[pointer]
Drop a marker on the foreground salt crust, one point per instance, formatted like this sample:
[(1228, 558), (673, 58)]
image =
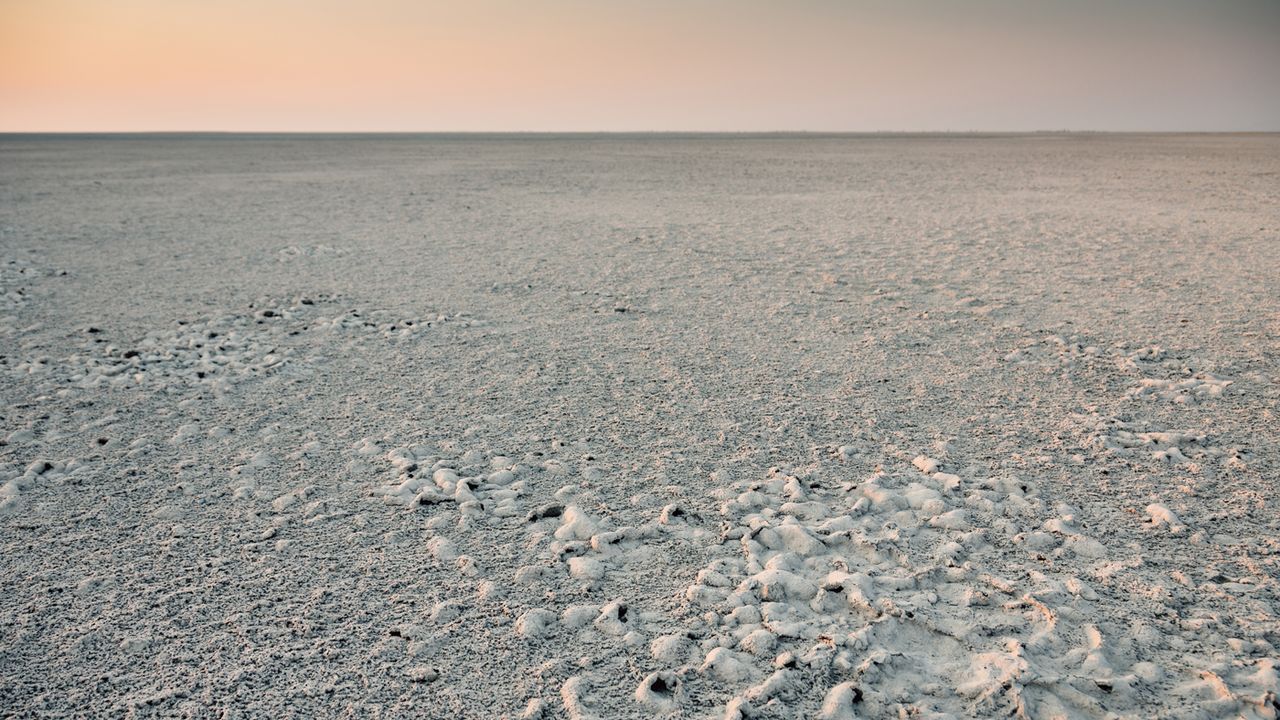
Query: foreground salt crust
[(703, 479), (929, 584), (916, 585)]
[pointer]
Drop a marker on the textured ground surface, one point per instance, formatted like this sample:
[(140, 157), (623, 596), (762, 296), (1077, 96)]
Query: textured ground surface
[(630, 428)]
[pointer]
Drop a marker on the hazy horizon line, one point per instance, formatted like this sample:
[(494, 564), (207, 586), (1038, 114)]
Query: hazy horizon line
[(606, 133)]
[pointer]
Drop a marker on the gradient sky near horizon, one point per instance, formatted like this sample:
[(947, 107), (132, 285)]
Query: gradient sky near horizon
[(564, 65)]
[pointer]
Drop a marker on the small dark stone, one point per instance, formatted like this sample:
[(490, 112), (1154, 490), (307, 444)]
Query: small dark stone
[(660, 686), (546, 511)]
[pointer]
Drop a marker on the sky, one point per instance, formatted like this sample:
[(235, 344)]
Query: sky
[(638, 65)]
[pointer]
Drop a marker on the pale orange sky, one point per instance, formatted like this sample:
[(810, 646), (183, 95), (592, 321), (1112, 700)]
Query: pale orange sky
[(492, 65)]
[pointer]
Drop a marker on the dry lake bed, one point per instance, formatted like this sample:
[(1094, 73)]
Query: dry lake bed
[(640, 427)]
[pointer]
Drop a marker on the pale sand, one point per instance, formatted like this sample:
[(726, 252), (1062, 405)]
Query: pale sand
[(640, 427)]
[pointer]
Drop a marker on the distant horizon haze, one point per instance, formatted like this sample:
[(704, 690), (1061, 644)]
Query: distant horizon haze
[(691, 67)]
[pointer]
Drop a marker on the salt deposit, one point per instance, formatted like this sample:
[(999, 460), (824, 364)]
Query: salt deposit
[(640, 427)]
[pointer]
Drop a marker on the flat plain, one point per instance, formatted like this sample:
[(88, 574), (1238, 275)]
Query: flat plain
[(640, 426)]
